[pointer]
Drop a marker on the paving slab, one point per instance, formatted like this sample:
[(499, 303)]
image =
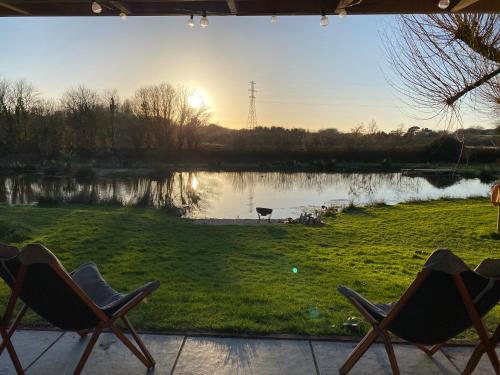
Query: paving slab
[(27, 348), (234, 356), (109, 357), (56, 353), (331, 355), (460, 355)]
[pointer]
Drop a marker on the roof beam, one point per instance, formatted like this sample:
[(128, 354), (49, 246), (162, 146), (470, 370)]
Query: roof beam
[(12, 7), (344, 4), (122, 8), (231, 4), (463, 4)]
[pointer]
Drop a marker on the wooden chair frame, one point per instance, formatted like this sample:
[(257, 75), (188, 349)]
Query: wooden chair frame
[(7, 329), (379, 329)]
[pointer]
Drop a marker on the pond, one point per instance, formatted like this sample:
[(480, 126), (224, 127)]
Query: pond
[(233, 195)]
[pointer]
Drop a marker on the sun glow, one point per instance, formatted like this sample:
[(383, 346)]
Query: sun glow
[(197, 100), (194, 183)]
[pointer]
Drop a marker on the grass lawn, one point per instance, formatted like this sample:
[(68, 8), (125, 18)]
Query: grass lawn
[(239, 278)]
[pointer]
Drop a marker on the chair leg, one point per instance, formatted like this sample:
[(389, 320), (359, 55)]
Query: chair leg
[(11, 351), (14, 325), (88, 349), (390, 352), (131, 346), (138, 340), (433, 350), (486, 344), (480, 350), (358, 352), (436, 348), (478, 323)]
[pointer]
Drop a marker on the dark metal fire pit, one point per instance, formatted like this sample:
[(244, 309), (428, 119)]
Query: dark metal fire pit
[(261, 211)]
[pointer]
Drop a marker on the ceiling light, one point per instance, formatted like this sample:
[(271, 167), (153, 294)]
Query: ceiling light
[(204, 20), (96, 7), (191, 21), (274, 19), (123, 16), (443, 4), (324, 21), (342, 13)]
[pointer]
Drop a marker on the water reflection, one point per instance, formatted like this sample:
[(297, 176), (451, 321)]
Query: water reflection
[(235, 194)]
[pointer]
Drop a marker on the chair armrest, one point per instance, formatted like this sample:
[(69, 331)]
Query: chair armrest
[(377, 311)]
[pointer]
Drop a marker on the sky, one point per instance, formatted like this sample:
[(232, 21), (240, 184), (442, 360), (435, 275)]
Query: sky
[(307, 76)]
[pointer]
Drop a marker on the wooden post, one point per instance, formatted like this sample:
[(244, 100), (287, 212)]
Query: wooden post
[(495, 199), (498, 220)]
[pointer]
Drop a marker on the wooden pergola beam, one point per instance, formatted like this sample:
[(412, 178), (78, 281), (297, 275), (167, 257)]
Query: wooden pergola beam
[(122, 8), (13, 8), (45, 8), (463, 4)]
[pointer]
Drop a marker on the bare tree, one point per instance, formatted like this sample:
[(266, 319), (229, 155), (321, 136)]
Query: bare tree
[(82, 106), (441, 61), (113, 100), (25, 98), (167, 100), (372, 127), (197, 119), (183, 113)]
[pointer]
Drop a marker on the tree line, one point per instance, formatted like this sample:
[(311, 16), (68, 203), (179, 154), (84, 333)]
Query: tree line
[(87, 123), (159, 123)]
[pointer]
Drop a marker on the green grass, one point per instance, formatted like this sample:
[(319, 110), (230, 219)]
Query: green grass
[(240, 278)]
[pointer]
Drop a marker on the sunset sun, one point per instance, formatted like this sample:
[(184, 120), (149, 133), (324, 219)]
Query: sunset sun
[(197, 100)]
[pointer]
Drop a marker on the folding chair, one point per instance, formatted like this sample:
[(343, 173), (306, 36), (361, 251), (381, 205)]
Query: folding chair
[(79, 301), (446, 298)]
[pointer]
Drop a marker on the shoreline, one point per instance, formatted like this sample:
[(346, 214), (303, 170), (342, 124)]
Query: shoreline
[(156, 170)]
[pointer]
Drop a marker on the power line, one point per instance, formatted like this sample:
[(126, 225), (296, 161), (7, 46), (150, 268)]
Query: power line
[(252, 112)]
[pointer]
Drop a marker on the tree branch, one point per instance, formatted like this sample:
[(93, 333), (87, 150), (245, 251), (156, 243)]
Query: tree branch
[(466, 34), (451, 100)]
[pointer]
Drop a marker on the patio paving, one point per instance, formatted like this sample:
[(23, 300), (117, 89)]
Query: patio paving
[(53, 352)]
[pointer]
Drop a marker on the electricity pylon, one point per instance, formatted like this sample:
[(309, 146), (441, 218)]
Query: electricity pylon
[(252, 112)]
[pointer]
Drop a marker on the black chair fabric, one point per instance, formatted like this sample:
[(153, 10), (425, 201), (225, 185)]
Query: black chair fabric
[(90, 280), (46, 293), (436, 313)]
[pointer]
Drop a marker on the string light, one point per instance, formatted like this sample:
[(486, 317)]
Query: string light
[(443, 4), (191, 21), (324, 21), (96, 7), (204, 20), (342, 13), (123, 16)]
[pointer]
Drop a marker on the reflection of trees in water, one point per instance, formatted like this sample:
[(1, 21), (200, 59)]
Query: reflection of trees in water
[(175, 190), (241, 181), (360, 186), (442, 182), (369, 187)]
